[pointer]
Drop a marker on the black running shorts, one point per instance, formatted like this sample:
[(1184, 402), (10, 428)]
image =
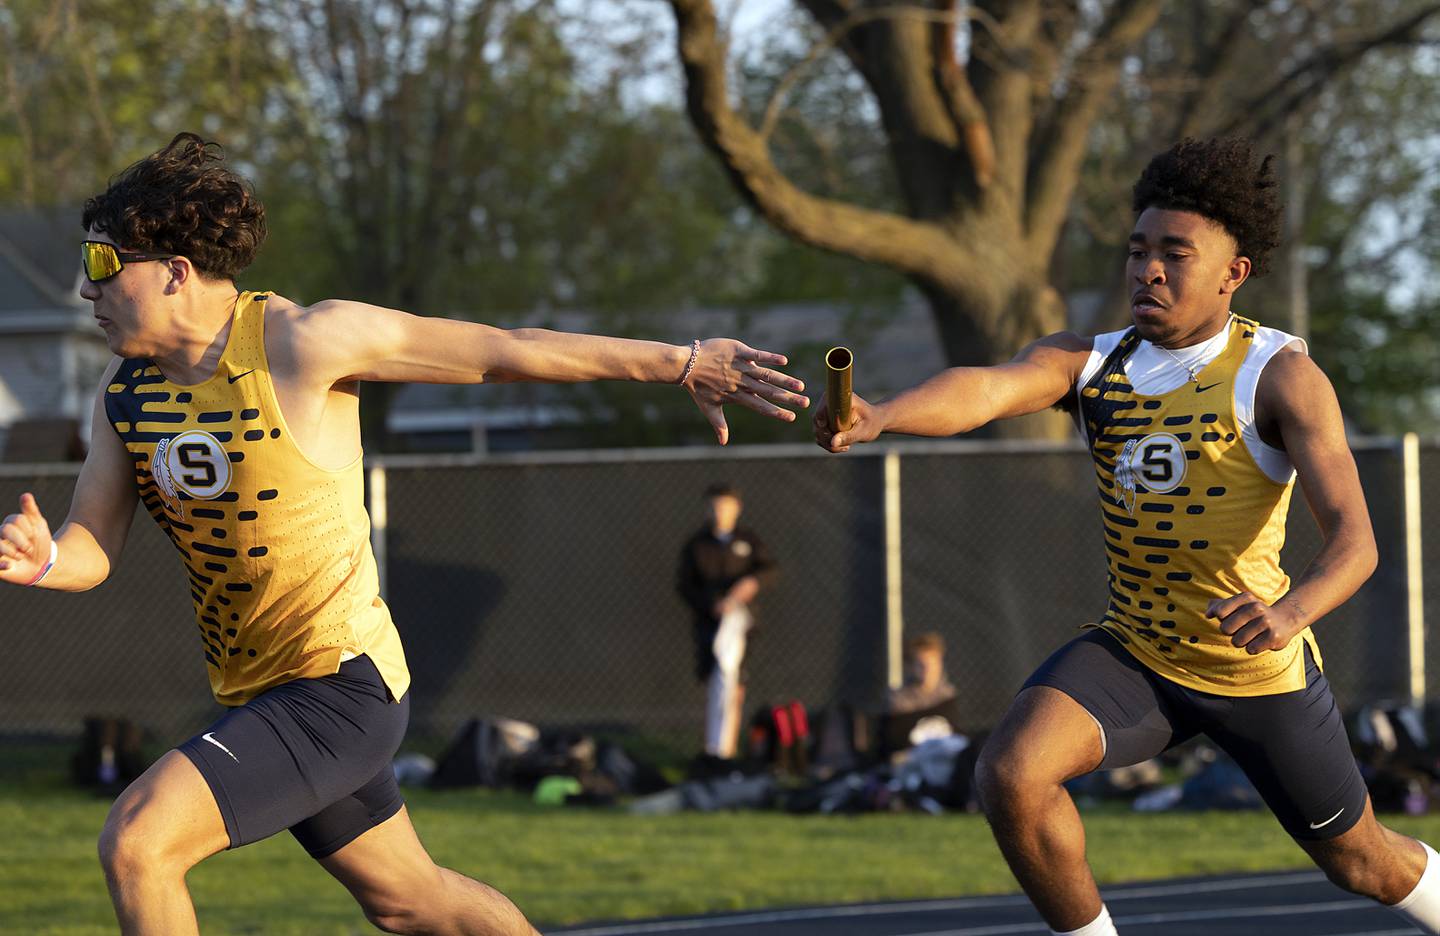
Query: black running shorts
[(312, 756), (1291, 745)]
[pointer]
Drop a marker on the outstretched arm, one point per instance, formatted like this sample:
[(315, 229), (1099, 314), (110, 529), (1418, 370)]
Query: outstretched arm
[(336, 341), (964, 398), (89, 544), (1296, 409)]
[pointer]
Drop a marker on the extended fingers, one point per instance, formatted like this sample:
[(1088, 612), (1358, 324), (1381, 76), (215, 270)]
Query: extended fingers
[(772, 392), (777, 378), (762, 357), (750, 400)]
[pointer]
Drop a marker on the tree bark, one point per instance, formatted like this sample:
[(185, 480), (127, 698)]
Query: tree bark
[(968, 344)]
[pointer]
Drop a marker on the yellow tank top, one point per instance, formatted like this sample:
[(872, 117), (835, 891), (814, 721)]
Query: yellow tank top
[(1188, 516), (277, 550)]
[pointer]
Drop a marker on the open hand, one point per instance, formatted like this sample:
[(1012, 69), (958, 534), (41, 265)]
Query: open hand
[(1254, 625), (730, 371), (864, 425), (24, 543)]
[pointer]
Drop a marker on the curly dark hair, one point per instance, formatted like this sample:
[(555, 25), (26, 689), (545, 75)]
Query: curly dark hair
[(1221, 180), (183, 200)]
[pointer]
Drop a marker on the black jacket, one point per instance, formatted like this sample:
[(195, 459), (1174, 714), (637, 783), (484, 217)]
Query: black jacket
[(708, 569)]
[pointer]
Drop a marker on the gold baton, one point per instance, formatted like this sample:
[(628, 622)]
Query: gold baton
[(838, 362)]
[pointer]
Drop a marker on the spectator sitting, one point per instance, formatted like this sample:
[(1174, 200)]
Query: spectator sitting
[(926, 684), (926, 706)]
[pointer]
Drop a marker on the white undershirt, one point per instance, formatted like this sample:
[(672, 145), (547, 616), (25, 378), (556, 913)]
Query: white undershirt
[(1152, 372)]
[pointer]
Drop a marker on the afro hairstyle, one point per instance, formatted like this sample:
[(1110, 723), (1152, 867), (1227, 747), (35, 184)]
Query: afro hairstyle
[(1222, 180)]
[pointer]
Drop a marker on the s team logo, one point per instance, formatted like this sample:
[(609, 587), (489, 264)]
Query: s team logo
[(193, 463), (1157, 461)]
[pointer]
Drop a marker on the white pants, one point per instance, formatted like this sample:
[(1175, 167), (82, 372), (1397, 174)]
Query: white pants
[(722, 696)]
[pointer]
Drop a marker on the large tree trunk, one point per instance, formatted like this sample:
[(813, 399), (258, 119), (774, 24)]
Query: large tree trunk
[(967, 344)]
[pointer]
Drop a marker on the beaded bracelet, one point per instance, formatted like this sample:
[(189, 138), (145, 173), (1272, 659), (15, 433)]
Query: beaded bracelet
[(690, 365)]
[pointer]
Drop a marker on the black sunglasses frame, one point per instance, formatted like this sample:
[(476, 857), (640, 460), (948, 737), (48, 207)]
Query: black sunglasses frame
[(124, 258)]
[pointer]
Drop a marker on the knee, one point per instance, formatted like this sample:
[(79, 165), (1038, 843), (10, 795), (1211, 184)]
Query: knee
[(411, 911), (128, 845), (393, 918), (1004, 778), (1359, 872)]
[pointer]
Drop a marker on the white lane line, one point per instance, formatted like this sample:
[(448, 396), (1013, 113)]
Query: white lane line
[(1112, 895), (1175, 916)]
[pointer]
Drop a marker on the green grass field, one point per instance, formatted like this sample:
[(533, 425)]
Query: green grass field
[(568, 865)]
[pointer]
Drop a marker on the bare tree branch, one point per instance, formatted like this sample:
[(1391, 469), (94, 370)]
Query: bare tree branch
[(829, 14), (1214, 65), (963, 106), (916, 248), (999, 71), (1266, 109), (1053, 43), (1059, 152), (960, 97)]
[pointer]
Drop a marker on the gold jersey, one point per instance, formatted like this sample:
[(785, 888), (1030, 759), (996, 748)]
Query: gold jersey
[(277, 549), (1189, 515)]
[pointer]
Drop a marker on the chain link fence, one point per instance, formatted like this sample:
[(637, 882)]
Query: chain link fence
[(543, 587)]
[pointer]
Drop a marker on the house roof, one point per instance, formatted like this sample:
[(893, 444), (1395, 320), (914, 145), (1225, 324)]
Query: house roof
[(39, 272), (39, 258)]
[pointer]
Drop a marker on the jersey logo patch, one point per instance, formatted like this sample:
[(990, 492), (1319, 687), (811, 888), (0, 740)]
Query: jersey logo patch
[(194, 464), (1157, 463)]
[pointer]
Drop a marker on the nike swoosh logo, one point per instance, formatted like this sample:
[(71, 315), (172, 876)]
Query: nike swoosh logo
[(208, 736), (1198, 388), (246, 374), (1321, 825)]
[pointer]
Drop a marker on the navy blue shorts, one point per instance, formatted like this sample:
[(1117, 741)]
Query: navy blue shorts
[(1292, 745), (312, 756)]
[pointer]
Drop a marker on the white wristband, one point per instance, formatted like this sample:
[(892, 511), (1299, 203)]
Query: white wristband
[(54, 554)]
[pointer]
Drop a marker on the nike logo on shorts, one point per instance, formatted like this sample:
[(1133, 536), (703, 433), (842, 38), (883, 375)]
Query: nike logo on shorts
[(208, 736), (1321, 825)]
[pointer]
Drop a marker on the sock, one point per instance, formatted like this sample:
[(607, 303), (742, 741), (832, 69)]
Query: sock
[(1102, 925), (1422, 905)]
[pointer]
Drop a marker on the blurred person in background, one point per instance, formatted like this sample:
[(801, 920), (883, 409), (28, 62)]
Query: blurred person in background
[(925, 706), (233, 416), (926, 683), (722, 569)]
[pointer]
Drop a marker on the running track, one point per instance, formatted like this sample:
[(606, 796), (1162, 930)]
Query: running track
[(1287, 904)]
